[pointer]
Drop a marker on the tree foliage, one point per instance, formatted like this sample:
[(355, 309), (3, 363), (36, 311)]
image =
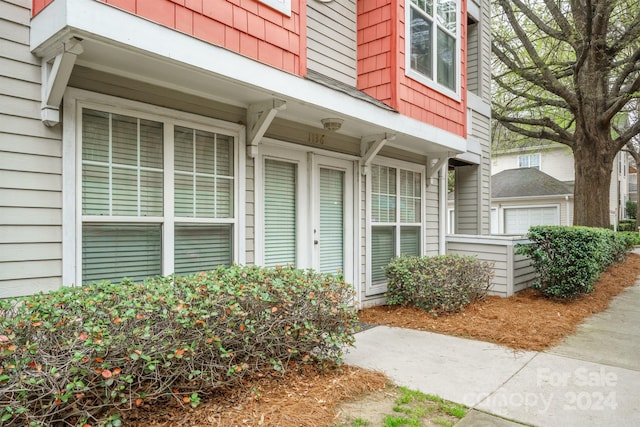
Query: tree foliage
[(568, 71)]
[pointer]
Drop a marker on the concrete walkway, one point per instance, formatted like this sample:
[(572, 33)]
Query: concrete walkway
[(591, 379)]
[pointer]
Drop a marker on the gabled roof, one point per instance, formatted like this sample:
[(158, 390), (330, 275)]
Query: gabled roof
[(526, 182)]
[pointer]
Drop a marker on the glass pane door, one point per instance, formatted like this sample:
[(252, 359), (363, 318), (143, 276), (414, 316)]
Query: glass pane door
[(331, 235), (280, 219)]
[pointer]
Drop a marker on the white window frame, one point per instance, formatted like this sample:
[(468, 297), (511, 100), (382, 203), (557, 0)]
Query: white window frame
[(74, 102), (377, 289), (282, 6), (526, 158), (415, 75)]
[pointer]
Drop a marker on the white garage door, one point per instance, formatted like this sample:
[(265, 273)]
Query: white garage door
[(518, 220)]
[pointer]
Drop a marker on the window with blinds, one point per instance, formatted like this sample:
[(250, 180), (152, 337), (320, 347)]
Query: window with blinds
[(396, 216), (123, 197)]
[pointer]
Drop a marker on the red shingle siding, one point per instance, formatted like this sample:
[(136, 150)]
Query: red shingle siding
[(38, 5), (243, 26), (374, 49), (381, 68)]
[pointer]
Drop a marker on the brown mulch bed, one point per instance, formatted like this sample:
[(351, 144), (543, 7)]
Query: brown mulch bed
[(304, 397), (307, 397), (525, 321)]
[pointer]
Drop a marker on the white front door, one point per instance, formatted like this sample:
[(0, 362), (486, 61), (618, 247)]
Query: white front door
[(333, 201), (306, 204)]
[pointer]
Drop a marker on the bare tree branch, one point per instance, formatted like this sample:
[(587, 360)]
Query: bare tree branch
[(549, 82)]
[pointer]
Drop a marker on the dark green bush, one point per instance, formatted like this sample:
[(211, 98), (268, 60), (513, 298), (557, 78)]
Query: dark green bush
[(569, 260), (632, 236), (631, 209), (627, 225), (82, 355), (440, 284)]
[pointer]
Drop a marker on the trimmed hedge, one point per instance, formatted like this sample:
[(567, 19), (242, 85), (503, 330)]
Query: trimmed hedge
[(627, 225), (440, 284), (569, 260), (79, 356)]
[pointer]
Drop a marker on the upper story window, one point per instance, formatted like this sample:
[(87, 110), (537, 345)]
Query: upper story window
[(283, 6), (433, 38), (529, 161)]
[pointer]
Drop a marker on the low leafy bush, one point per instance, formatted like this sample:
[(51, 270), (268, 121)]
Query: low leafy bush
[(79, 356), (632, 236), (569, 260), (627, 225), (631, 208), (440, 284)]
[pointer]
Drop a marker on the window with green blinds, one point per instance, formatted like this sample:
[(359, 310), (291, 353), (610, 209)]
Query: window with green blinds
[(203, 174), (202, 247), (115, 251), (280, 185), (382, 251), (396, 216), (410, 241), (123, 181), (121, 165), (383, 194)]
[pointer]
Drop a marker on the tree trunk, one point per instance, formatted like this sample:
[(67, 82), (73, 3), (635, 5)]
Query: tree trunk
[(593, 164), (637, 194)]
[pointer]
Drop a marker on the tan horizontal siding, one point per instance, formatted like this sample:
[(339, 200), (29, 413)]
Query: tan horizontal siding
[(19, 287), (32, 251), (30, 234), (30, 166), (30, 180)]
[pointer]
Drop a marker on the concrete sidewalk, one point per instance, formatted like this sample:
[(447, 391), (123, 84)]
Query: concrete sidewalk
[(590, 379)]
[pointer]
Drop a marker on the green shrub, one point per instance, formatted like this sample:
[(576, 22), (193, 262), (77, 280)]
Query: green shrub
[(631, 209), (440, 284), (627, 225), (82, 355), (633, 236), (569, 260)]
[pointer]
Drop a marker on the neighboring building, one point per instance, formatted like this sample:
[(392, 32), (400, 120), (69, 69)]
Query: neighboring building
[(141, 137), (633, 181), (524, 197), (517, 203)]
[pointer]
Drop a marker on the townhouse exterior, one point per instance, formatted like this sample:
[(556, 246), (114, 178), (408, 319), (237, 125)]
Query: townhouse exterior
[(534, 186), (151, 137)]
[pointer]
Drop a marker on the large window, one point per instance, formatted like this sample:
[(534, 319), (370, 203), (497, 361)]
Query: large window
[(144, 216), (396, 216), (432, 42)]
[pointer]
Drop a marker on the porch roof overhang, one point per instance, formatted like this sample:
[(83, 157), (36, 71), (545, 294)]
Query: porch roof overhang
[(124, 44)]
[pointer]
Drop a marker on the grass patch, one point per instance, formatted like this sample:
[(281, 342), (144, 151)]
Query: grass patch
[(416, 408)]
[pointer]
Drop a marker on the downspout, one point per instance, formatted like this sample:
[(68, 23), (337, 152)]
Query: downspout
[(442, 243)]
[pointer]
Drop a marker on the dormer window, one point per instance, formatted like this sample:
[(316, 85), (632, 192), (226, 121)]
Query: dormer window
[(433, 33)]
